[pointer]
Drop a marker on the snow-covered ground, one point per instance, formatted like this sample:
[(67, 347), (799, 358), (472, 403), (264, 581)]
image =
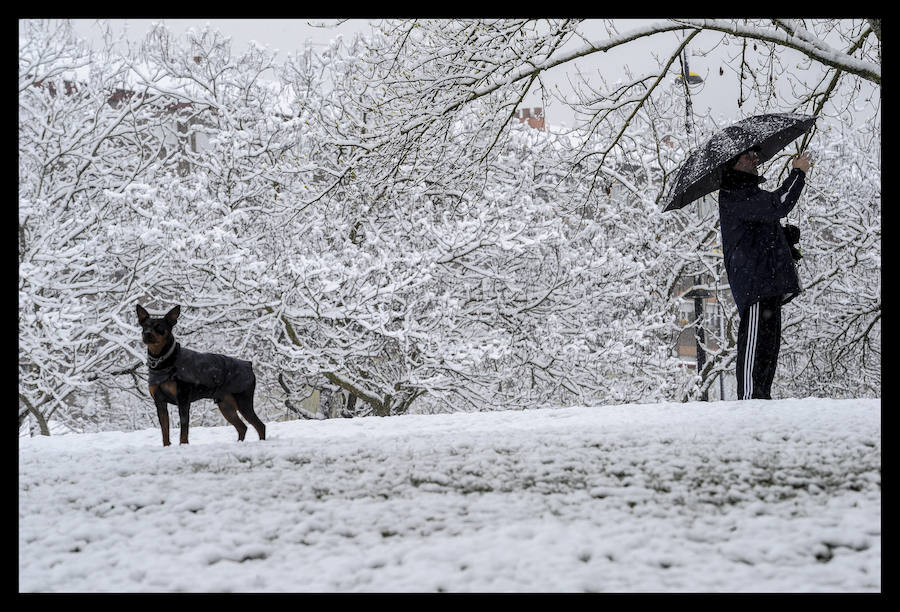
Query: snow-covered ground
[(781, 495)]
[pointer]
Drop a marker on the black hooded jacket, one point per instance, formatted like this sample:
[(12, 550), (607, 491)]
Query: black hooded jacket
[(757, 254)]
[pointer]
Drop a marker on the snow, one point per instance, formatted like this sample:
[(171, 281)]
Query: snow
[(770, 496)]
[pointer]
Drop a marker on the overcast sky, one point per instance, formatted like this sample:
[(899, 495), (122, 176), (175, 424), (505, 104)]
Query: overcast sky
[(718, 93)]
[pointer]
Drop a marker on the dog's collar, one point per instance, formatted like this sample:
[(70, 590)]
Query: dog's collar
[(153, 362)]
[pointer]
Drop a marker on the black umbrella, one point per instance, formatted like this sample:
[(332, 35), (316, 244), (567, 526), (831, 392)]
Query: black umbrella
[(701, 172)]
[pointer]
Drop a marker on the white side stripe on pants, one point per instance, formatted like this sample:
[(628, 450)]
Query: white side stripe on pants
[(750, 351)]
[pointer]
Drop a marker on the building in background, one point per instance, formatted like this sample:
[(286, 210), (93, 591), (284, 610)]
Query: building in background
[(533, 116)]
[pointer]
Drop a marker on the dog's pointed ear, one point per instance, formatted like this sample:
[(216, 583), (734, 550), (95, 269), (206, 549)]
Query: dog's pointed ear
[(172, 316), (142, 314)]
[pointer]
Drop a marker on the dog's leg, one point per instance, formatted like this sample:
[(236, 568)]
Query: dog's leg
[(245, 406), (184, 416), (162, 411), (228, 406)]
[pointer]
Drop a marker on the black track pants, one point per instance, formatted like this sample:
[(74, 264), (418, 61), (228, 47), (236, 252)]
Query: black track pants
[(759, 338)]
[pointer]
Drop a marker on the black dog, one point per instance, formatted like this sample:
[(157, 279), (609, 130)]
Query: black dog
[(180, 376)]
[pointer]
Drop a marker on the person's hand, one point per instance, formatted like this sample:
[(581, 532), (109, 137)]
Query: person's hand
[(804, 161)]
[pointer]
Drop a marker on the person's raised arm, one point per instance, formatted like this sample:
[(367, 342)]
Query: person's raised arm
[(773, 205)]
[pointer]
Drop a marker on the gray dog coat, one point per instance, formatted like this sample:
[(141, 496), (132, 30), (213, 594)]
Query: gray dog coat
[(211, 375)]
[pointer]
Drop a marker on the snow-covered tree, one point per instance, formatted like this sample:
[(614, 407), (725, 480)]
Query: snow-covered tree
[(83, 143), (366, 220), (438, 69), (833, 335)]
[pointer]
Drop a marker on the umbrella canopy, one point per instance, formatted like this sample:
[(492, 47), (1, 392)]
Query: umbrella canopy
[(701, 172)]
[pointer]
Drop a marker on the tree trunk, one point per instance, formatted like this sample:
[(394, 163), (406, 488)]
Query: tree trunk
[(42, 423)]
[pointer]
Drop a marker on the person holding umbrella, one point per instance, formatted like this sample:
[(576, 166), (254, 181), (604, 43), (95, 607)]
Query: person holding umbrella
[(759, 261), (758, 252)]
